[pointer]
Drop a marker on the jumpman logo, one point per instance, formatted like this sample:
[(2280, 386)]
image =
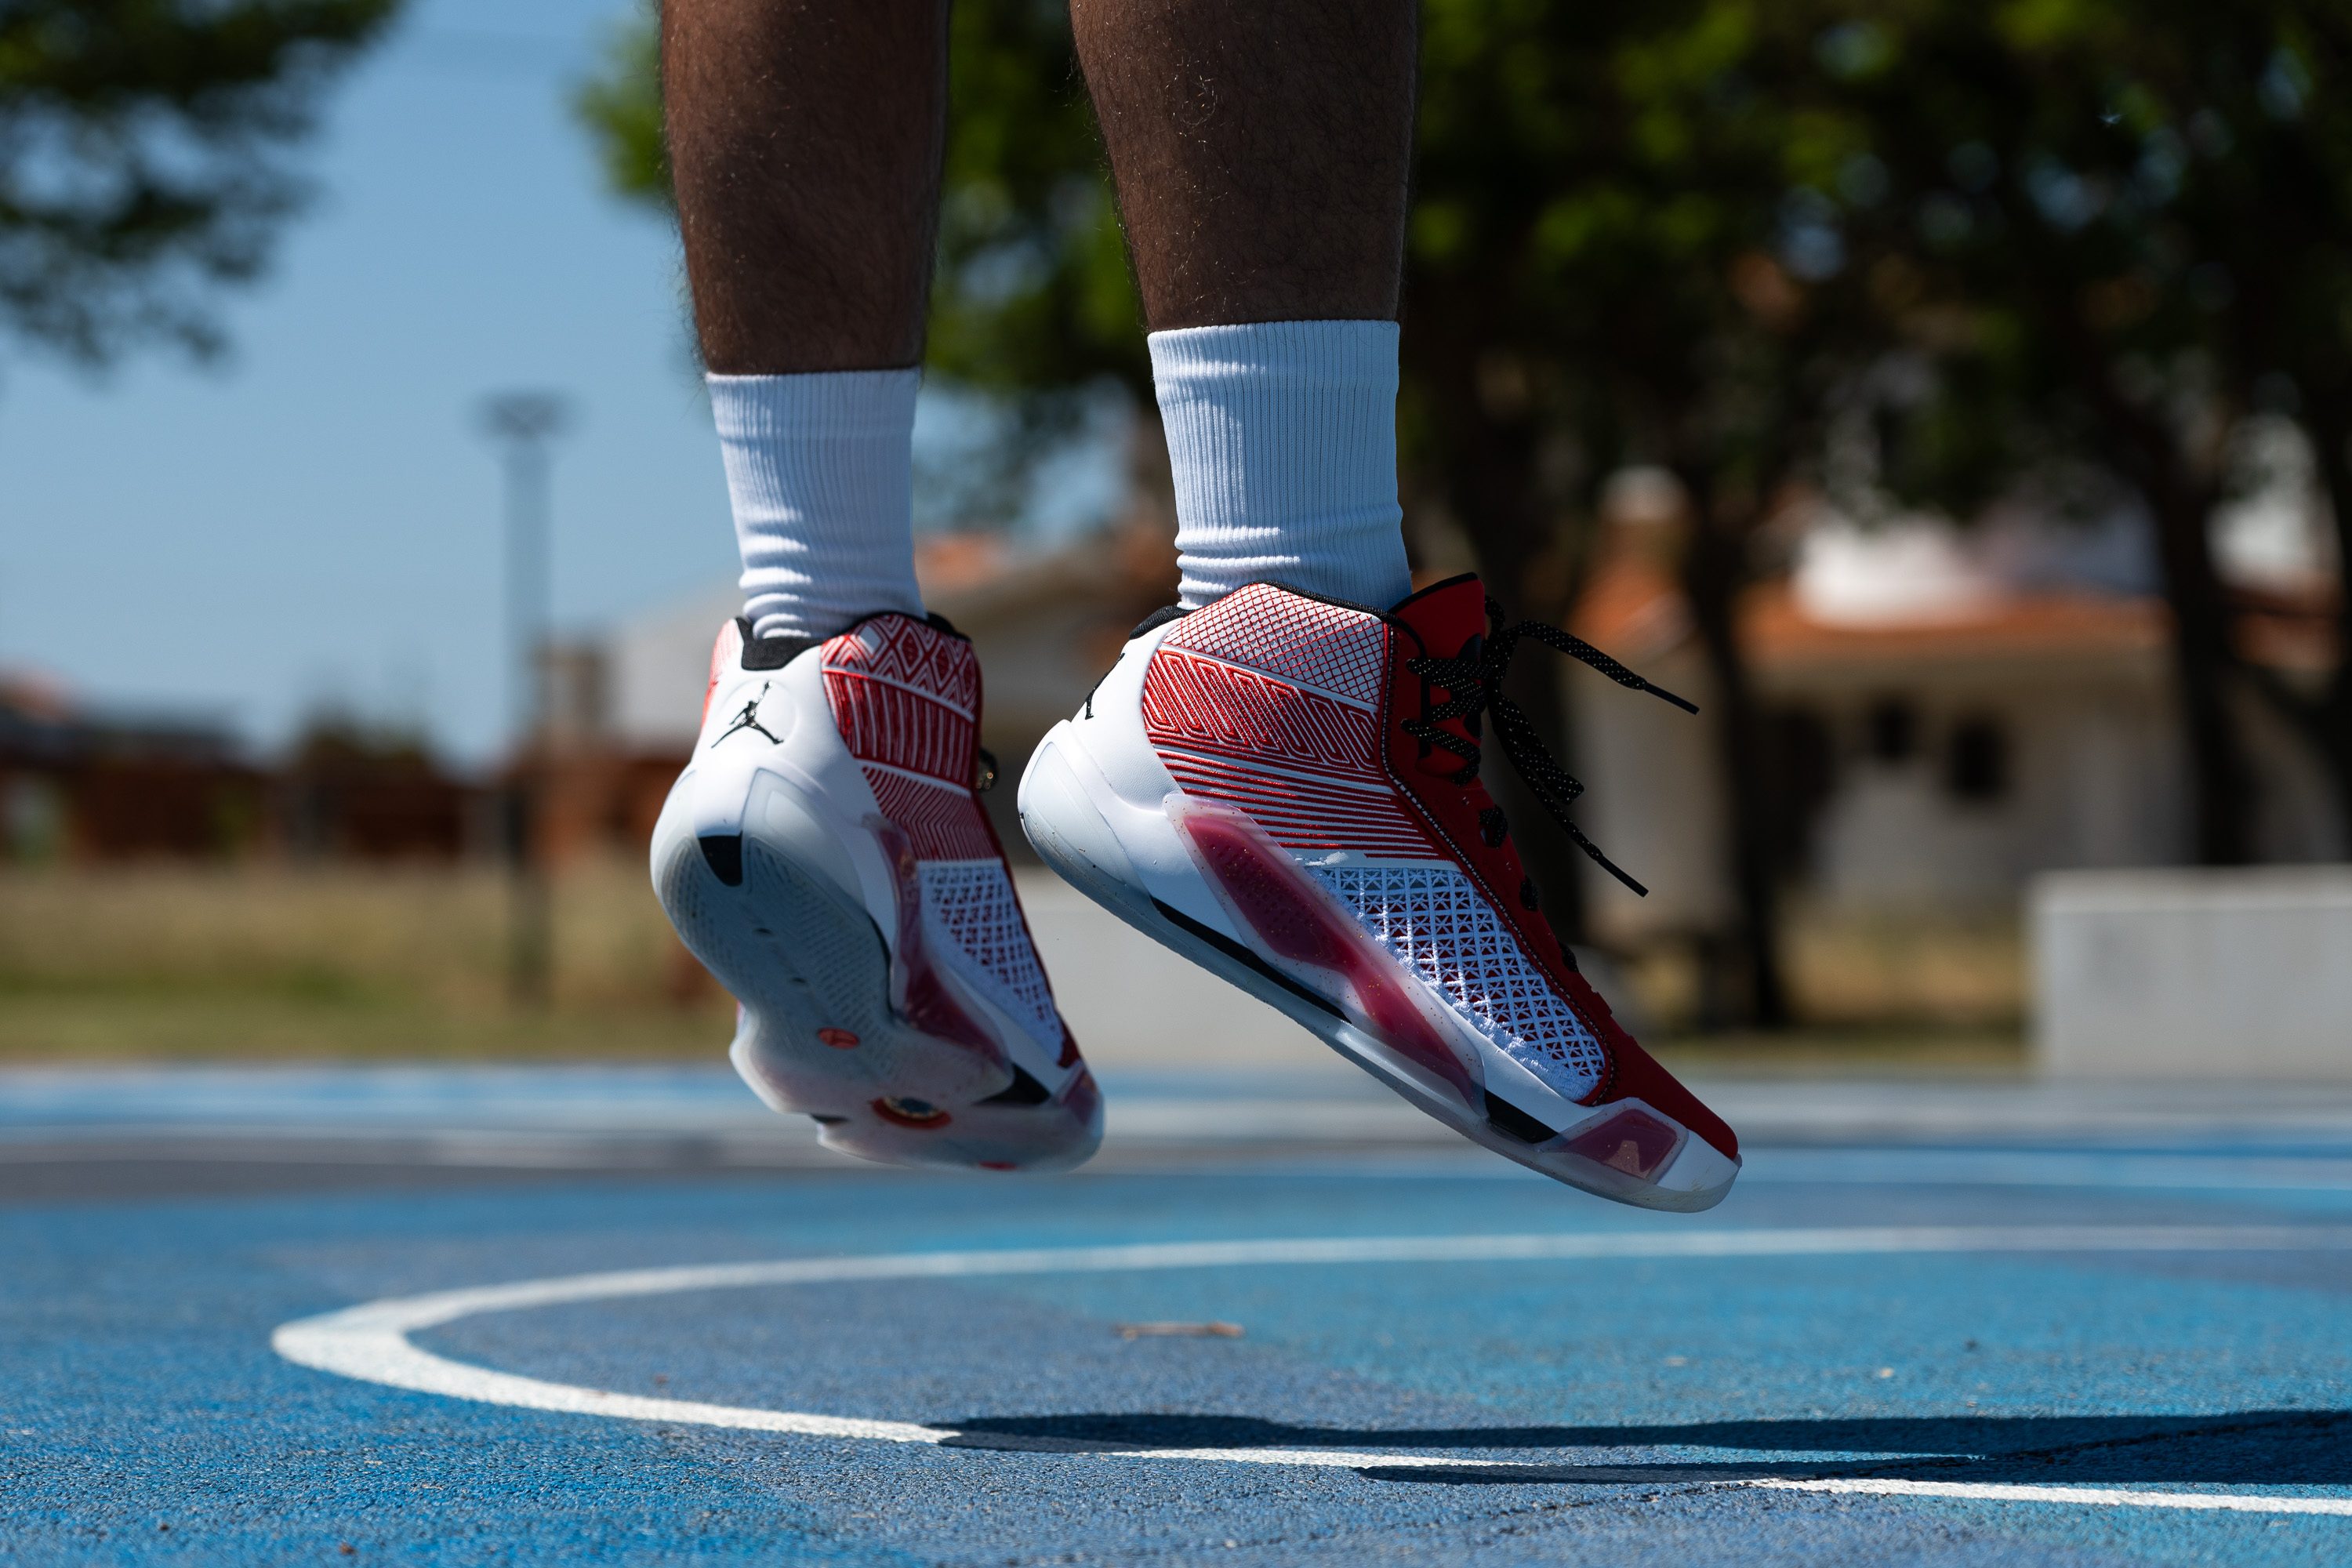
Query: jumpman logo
[(748, 719)]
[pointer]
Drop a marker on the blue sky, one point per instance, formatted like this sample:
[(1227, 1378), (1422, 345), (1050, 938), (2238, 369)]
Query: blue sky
[(316, 520)]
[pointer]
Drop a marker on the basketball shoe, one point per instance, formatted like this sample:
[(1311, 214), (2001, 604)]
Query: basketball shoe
[(825, 856), (1287, 790)]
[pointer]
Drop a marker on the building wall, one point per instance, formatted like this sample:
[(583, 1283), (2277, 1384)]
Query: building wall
[(2092, 775), (1654, 801), (2090, 778)]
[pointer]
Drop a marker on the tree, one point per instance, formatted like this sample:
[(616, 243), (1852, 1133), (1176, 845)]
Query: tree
[(141, 157), (2112, 230)]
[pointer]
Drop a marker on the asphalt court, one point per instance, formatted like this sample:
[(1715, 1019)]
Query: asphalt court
[(1941, 1323)]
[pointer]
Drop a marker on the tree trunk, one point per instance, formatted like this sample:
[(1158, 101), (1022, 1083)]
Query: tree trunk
[(2203, 663), (1714, 570), (2142, 446), (2328, 723)]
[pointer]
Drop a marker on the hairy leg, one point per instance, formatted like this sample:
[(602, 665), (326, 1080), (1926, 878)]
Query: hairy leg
[(804, 142), (1260, 148)]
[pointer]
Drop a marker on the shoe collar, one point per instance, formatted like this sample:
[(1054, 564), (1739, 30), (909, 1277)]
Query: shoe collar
[(774, 653), (1441, 618)]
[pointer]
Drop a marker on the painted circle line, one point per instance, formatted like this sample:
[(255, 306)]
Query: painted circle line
[(370, 1342)]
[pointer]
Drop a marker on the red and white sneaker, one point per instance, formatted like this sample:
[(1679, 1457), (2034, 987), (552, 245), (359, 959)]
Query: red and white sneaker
[(1285, 789), (826, 856)]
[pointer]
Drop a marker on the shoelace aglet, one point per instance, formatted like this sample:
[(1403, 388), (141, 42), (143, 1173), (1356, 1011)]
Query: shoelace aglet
[(1583, 652), (1604, 861), (1685, 703)]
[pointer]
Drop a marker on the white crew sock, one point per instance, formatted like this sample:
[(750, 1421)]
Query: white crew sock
[(1282, 436), (820, 467)]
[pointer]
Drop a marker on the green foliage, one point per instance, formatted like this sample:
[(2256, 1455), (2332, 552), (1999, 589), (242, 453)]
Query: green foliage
[(621, 107), (1033, 289), (139, 155), (2131, 219)]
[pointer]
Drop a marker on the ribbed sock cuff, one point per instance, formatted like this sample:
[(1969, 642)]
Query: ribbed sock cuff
[(819, 469), (1282, 439)]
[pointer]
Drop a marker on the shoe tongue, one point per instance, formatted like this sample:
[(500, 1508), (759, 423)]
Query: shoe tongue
[(1447, 615)]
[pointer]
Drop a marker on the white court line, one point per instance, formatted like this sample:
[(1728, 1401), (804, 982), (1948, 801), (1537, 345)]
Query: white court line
[(370, 1342), (1986, 1491)]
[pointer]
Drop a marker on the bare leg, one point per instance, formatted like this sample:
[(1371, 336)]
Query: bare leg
[(1260, 148), (805, 140)]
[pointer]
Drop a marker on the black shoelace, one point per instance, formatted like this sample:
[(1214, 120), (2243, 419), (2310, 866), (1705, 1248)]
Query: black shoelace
[(1475, 680)]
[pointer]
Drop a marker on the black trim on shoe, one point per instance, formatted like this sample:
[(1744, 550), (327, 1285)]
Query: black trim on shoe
[(769, 653), (1151, 622), (774, 653), (1236, 952), (723, 852), (1024, 1090), (1157, 619), (1509, 1119)]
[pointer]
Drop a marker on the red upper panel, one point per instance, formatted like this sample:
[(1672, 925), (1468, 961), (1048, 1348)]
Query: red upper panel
[(905, 698)]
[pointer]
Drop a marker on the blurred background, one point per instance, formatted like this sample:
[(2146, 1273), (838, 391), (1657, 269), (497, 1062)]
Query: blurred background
[(1952, 398)]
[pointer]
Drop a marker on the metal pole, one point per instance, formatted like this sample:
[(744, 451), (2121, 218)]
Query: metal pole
[(523, 424)]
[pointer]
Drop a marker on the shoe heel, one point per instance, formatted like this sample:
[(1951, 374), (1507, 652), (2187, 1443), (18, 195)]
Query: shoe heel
[(1071, 836)]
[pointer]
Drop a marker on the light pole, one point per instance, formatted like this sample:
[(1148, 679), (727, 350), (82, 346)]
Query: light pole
[(523, 424)]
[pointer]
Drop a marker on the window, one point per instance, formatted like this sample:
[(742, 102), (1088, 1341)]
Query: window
[(1891, 730), (1977, 768)]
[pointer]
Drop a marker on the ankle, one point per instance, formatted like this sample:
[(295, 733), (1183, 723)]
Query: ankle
[(820, 473), (1282, 441)]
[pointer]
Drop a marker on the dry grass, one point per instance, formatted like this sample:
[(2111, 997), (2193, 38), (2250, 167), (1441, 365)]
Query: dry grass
[(293, 962), (1855, 975), (1949, 972), (1896, 1050)]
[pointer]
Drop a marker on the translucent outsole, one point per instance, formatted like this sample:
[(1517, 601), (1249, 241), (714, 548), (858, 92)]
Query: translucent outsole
[(818, 1035)]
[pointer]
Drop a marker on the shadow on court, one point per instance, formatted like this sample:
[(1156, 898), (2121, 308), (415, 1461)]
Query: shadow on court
[(2275, 1447)]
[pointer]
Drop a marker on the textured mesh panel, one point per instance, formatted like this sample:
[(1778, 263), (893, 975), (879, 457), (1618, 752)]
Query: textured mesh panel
[(943, 824), (1434, 918), (883, 722), (1202, 702), (895, 647), (973, 902), (1343, 651), (1304, 765), (903, 698)]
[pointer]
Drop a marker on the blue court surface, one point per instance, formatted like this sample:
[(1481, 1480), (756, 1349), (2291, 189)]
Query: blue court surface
[(623, 1316)]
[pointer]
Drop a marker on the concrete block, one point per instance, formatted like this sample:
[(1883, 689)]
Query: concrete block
[(2194, 973)]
